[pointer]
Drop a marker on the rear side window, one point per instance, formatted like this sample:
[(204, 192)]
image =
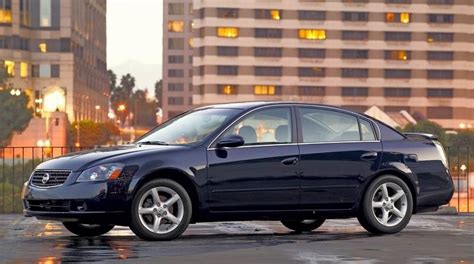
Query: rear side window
[(319, 125), (366, 130)]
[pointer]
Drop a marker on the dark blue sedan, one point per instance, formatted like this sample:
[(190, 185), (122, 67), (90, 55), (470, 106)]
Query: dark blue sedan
[(295, 163)]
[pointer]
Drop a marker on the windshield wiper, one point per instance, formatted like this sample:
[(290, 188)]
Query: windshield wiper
[(153, 143)]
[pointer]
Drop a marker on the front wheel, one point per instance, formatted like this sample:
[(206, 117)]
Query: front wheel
[(387, 206), (303, 225), (86, 230), (161, 210)]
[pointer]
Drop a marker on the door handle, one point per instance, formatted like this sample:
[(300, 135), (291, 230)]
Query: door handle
[(290, 161), (371, 155)]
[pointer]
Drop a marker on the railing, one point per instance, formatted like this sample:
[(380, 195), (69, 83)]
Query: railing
[(16, 166), (461, 160), (17, 163)]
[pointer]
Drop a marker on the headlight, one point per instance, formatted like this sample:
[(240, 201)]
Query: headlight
[(101, 173)]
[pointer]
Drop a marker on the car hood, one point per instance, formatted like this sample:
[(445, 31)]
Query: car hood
[(77, 161)]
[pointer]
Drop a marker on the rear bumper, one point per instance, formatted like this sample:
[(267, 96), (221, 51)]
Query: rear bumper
[(433, 200)]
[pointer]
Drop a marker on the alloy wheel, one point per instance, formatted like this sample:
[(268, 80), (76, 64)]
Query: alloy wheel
[(160, 210), (389, 204)]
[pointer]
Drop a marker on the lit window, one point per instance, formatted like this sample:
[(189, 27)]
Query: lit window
[(265, 89), (275, 14), (6, 12), (228, 89), (10, 67), (43, 47), (191, 42), (397, 55), (175, 26), (318, 34), (227, 32), (397, 17), (405, 18), (24, 69)]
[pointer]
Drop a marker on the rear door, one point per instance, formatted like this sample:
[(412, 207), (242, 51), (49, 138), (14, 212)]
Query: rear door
[(338, 151)]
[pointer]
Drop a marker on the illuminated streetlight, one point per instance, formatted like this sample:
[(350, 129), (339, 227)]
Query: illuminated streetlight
[(121, 107), (15, 92)]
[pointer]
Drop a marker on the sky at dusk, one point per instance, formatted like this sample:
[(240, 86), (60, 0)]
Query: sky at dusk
[(134, 39)]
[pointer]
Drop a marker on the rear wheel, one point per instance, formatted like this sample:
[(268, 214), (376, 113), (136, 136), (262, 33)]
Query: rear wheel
[(161, 210), (387, 206), (87, 230), (303, 225)]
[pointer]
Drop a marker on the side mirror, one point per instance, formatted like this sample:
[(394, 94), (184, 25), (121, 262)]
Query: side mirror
[(231, 141)]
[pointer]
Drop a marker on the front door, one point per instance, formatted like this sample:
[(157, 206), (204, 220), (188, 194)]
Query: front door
[(338, 152), (261, 174)]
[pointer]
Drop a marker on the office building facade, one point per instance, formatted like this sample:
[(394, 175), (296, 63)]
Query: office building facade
[(395, 54), (177, 57), (55, 51)]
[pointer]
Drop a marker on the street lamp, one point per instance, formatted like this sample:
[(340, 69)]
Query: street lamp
[(97, 109), (121, 108), (15, 92)]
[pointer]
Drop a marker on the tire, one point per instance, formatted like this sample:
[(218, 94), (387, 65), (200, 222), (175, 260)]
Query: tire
[(86, 230), (386, 210), (303, 225), (163, 215)]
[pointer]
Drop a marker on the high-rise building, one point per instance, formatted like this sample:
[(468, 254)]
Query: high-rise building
[(55, 51), (396, 54), (177, 57)]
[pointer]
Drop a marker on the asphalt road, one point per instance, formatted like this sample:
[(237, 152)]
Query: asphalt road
[(428, 239)]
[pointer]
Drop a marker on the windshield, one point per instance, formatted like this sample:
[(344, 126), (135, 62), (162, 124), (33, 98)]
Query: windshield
[(189, 128)]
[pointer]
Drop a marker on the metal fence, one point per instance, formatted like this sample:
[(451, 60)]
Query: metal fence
[(17, 163)]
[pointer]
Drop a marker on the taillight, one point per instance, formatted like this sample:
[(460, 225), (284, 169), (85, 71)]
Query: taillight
[(442, 153)]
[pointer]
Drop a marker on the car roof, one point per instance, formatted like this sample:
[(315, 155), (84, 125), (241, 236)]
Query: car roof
[(251, 105)]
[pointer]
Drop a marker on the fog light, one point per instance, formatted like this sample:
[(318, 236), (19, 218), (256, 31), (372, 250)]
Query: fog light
[(81, 206)]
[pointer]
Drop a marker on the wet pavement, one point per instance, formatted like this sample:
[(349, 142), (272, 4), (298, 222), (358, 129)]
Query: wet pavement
[(428, 239)]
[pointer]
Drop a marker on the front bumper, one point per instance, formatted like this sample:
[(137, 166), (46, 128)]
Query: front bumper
[(88, 202)]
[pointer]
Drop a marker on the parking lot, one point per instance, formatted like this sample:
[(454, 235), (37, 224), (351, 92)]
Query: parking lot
[(428, 239)]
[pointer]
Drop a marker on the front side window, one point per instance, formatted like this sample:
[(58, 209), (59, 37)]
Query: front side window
[(190, 128), (270, 126), (319, 126)]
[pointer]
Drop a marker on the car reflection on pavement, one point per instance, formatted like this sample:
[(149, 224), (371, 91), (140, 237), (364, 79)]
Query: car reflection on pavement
[(433, 239)]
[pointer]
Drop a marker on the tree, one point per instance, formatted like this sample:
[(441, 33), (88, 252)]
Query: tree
[(430, 127), (462, 139), (144, 110), (14, 112), (112, 80), (93, 134), (159, 92), (121, 94)]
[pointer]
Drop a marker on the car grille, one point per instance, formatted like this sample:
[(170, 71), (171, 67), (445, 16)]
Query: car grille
[(48, 206), (55, 178)]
